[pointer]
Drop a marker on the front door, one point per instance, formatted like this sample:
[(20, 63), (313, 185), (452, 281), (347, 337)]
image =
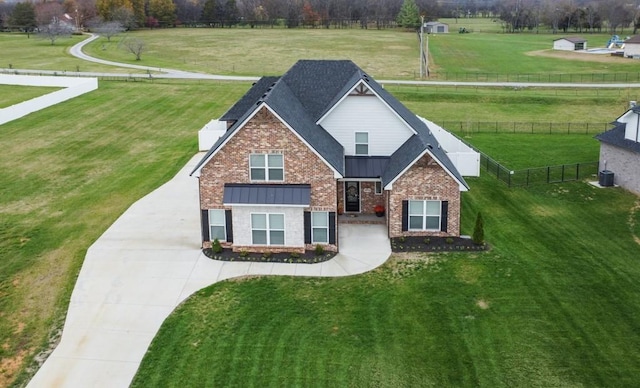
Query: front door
[(352, 196)]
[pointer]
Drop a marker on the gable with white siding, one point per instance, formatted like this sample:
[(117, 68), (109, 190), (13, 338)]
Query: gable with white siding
[(366, 112)]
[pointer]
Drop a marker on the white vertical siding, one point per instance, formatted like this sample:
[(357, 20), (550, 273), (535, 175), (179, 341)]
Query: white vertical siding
[(563, 44), (631, 49), (387, 132), (631, 129), (293, 220)]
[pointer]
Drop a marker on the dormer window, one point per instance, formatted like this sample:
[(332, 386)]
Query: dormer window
[(266, 167), (362, 143)]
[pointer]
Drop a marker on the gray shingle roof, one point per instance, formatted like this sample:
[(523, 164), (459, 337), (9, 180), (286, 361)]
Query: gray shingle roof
[(616, 138), (365, 166), (246, 102), (308, 90), (267, 194)]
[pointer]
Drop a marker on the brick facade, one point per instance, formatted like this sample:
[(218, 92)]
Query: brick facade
[(425, 180), (264, 133), (368, 197)]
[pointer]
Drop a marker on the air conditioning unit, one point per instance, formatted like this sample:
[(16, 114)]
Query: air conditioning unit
[(606, 178)]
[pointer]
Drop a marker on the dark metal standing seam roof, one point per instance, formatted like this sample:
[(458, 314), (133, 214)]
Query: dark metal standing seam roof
[(266, 194), (365, 166)]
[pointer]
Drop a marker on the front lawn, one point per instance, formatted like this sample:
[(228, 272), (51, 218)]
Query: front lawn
[(554, 303)]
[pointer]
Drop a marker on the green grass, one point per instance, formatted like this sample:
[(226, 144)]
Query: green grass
[(511, 54), (10, 94), (21, 52), (554, 303), (520, 151), (382, 53), (471, 104), (64, 178)]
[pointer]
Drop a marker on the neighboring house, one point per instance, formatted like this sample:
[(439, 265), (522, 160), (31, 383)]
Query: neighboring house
[(620, 150), (632, 47), (436, 28), (323, 139), (570, 44)]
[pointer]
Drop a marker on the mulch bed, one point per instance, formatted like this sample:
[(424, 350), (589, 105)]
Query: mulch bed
[(435, 244), (309, 257)]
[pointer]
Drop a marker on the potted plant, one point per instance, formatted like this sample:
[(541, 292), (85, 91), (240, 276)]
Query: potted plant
[(379, 210)]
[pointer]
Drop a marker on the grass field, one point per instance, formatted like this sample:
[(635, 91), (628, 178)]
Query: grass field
[(520, 151), (385, 54), (10, 95), (65, 178), (554, 303), (20, 52), (508, 104)]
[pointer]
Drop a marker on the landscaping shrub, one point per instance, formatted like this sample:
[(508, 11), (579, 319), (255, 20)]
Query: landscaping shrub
[(478, 230), (216, 247)]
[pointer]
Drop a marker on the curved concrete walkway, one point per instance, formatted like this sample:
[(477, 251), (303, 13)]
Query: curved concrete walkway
[(147, 263)]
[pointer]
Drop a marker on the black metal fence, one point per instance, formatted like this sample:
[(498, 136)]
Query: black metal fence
[(466, 127), (541, 175), (585, 78)]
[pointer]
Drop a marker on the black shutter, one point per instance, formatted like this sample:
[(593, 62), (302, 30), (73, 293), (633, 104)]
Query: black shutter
[(229, 225), (444, 213), (405, 216), (307, 227), (204, 221), (332, 227)]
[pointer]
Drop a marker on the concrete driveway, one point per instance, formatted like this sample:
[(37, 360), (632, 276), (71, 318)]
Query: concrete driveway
[(148, 262)]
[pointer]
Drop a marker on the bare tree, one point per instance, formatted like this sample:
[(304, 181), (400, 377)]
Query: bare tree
[(109, 29), (54, 30), (134, 45)]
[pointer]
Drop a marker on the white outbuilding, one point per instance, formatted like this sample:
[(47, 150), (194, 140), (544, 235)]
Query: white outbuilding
[(570, 44), (632, 47), (436, 28)]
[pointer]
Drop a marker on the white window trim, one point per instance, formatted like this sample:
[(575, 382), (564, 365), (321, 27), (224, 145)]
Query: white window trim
[(313, 240), (224, 224), (266, 168), (378, 185), (355, 143), (269, 229), (424, 215)]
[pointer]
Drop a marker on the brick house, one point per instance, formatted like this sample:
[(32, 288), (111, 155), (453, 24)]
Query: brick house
[(322, 140), (620, 150)]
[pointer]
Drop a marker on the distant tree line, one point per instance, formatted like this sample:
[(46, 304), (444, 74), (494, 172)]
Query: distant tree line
[(515, 15)]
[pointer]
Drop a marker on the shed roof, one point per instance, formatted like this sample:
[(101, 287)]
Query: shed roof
[(572, 40), (633, 39)]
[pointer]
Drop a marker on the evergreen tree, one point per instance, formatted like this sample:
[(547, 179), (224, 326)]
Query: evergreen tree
[(24, 16), (409, 15), (209, 11), (478, 230)]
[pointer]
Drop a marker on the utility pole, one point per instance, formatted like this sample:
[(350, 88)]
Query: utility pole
[(421, 47)]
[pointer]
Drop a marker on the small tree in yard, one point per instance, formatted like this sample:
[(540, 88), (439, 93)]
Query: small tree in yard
[(134, 45), (478, 231), (109, 29), (55, 30)]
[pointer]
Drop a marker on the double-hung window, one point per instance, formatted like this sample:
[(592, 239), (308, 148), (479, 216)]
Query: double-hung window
[(217, 225), (266, 167), (320, 227), (362, 143), (424, 215), (267, 229)]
